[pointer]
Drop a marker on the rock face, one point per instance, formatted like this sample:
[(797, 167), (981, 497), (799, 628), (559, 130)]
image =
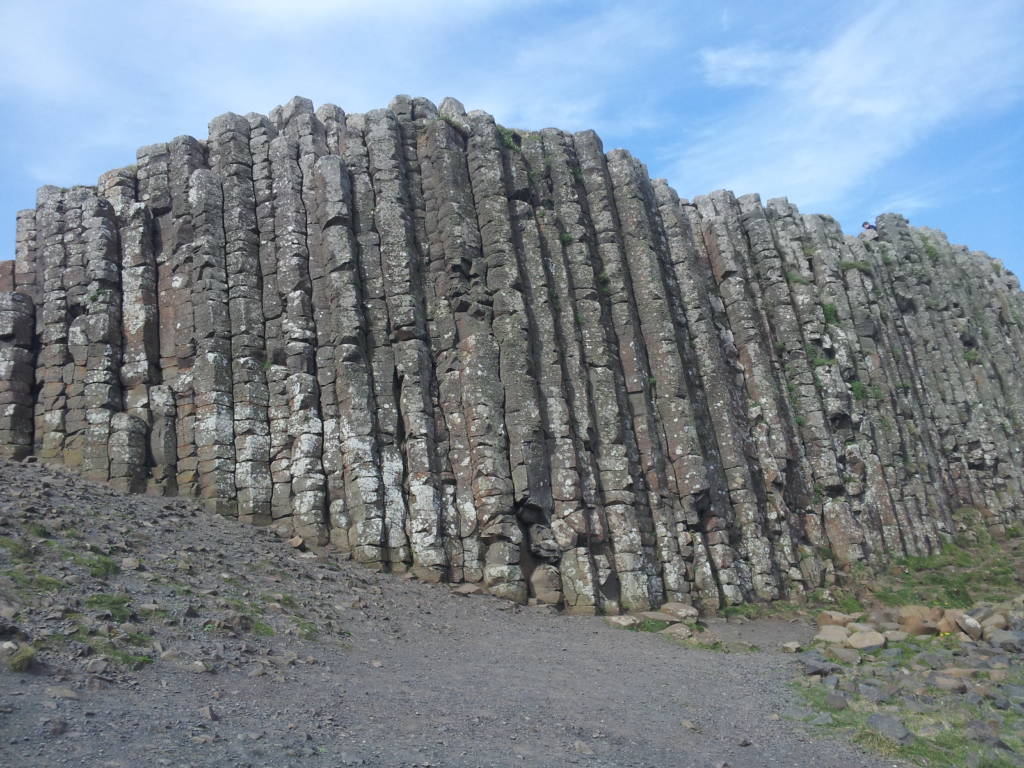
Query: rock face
[(511, 359)]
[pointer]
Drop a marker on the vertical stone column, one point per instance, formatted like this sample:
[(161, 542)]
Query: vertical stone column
[(17, 374), (232, 160), (212, 371)]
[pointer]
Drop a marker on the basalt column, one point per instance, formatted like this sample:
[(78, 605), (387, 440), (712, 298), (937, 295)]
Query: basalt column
[(434, 344)]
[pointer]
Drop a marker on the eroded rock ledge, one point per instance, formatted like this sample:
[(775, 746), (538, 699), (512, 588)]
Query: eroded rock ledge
[(510, 358)]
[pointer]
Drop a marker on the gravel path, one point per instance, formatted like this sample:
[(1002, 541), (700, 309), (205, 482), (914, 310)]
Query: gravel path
[(361, 668)]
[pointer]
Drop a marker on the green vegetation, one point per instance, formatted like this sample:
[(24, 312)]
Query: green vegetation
[(117, 605), (508, 138), (815, 360), (261, 628), (18, 550), (795, 278), (100, 566), (22, 659), (863, 267), (861, 391), (28, 579), (650, 625), (831, 314), (307, 629), (972, 356), (941, 734), (931, 251), (565, 238)]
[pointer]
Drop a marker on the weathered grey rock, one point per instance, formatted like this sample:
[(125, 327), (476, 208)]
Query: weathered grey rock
[(890, 727), (513, 360)]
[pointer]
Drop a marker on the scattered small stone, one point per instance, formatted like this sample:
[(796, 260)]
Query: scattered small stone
[(836, 700), (582, 748), (61, 692)]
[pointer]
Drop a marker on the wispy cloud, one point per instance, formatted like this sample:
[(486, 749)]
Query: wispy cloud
[(741, 65), (882, 84)]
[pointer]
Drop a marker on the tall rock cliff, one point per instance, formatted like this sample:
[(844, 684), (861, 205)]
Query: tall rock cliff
[(510, 358)]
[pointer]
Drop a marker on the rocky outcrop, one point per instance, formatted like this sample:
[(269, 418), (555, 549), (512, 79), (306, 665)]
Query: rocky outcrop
[(509, 358)]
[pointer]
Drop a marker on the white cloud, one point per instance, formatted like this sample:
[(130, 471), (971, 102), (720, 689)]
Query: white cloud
[(889, 79), (745, 65)]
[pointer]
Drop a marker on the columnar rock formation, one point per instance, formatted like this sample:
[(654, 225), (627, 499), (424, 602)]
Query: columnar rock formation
[(510, 358)]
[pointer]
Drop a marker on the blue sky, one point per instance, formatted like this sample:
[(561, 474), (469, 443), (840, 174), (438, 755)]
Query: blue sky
[(847, 108)]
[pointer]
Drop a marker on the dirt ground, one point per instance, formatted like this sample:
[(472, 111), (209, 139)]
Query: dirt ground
[(166, 636)]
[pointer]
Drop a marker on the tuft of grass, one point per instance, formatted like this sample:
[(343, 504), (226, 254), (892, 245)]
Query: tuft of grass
[(749, 610), (22, 659), (848, 603), (288, 601), (37, 582), (863, 267), (261, 628), (307, 629), (795, 278), (100, 566), (121, 656), (117, 605), (19, 551), (815, 360), (38, 529), (831, 314), (565, 238), (509, 138), (649, 625)]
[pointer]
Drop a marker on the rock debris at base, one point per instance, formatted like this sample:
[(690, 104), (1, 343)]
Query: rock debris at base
[(510, 359), (220, 647)]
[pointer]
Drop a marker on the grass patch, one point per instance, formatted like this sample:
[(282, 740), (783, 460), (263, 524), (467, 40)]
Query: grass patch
[(18, 550), (941, 737), (863, 267), (38, 529), (509, 139), (261, 628), (971, 568), (747, 610), (119, 655), (565, 238), (117, 605), (831, 314), (307, 629), (22, 659), (795, 278), (286, 600), (815, 360), (36, 582)]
